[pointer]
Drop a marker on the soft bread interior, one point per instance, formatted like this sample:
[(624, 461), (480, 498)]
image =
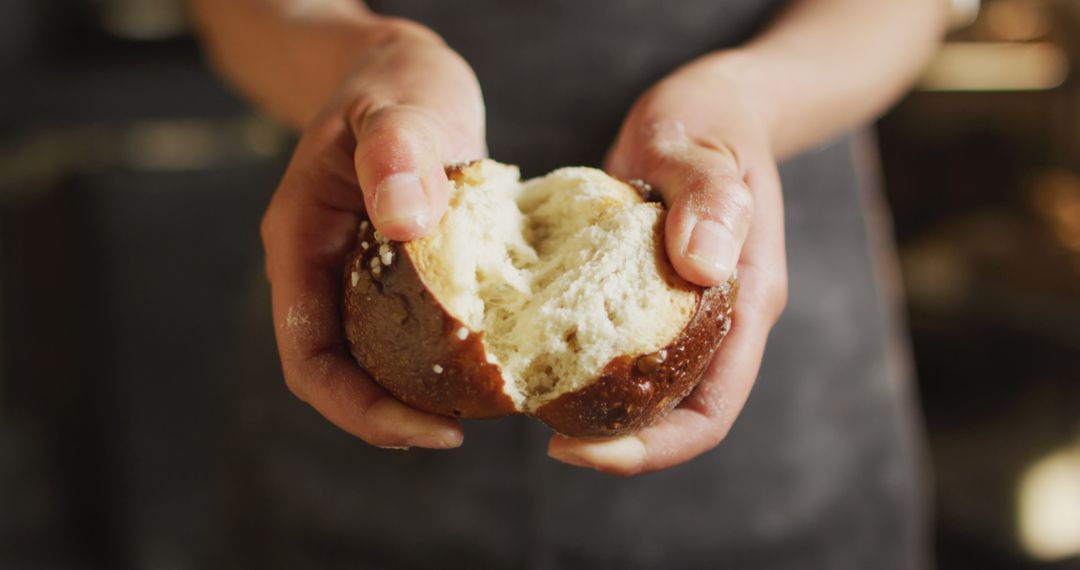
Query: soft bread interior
[(560, 274)]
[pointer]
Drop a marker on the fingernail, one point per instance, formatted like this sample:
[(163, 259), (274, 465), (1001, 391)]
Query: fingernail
[(447, 440), (400, 199), (624, 454), (412, 427), (713, 250), (568, 458)]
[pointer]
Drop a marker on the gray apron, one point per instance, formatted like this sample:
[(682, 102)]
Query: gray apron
[(820, 471)]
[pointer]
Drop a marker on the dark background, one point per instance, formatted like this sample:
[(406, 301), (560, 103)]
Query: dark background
[(131, 186)]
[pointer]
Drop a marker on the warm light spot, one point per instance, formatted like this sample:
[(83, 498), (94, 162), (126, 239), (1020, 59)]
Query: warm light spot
[(1057, 198), (996, 66), (937, 273), (1049, 506)]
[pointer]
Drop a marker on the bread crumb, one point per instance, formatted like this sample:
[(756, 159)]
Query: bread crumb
[(296, 317), (462, 333), (385, 254), (363, 226), (302, 320), (643, 188), (726, 327), (364, 245), (438, 369), (355, 277)]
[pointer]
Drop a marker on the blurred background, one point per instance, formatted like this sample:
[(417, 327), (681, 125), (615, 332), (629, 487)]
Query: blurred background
[(131, 186)]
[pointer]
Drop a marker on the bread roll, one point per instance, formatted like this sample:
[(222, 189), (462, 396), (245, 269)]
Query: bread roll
[(551, 297)]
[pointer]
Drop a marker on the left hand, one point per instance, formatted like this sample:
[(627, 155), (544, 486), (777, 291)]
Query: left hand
[(698, 141)]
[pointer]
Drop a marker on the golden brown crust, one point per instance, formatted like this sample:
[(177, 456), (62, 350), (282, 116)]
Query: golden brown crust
[(459, 172), (408, 341), (634, 392)]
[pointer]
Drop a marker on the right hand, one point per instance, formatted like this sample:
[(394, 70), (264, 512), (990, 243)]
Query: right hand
[(409, 106)]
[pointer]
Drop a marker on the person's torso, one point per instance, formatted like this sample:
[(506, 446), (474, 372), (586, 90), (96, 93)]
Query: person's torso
[(559, 75), (816, 472)]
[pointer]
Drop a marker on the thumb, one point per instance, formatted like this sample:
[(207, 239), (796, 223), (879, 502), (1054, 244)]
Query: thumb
[(399, 165), (709, 210)]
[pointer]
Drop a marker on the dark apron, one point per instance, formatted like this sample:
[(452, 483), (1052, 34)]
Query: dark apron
[(820, 471)]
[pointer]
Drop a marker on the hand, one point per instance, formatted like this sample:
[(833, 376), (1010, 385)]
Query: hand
[(696, 139), (409, 107)]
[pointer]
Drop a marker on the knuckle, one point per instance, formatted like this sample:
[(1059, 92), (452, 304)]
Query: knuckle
[(295, 386), (271, 229), (723, 196), (397, 31), (735, 198), (729, 191), (392, 124), (365, 111), (273, 220), (625, 473), (777, 298), (265, 229), (713, 182), (267, 225), (720, 433), (724, 154)]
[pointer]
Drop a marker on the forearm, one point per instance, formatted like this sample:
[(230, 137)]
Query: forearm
[(826, 65), (290, 56)]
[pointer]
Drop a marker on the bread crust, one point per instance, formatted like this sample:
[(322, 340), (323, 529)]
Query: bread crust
[(635, 391), (409, 343), (413, 346)]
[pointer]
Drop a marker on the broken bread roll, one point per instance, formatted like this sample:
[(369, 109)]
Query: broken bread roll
[(551, 297)]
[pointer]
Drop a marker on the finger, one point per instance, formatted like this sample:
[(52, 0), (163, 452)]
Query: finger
[(709, 212), (320, 373), (709, 203), (687, 431), (707, 222), (704, 418), (400, 167), (307, 232)]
